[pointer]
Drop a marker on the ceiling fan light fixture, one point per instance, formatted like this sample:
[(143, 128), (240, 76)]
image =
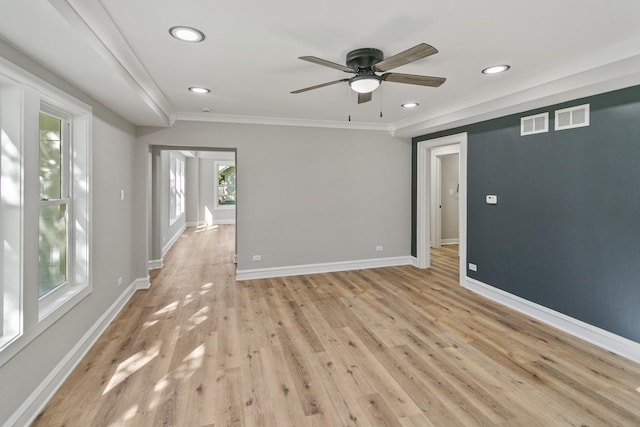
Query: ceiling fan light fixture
[(187, 34), (495, 69), (409, 105), (364, 84), (199, 90)]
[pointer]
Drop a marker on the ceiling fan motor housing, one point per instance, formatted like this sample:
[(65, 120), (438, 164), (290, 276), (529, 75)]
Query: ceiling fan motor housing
[(364, 58)]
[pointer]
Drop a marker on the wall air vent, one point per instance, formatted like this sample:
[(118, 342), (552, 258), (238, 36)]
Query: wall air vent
[(538, 123), (574, 117)]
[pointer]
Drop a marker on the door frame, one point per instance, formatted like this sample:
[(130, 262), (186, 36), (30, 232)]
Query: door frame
[(436, 190), (423, 211)]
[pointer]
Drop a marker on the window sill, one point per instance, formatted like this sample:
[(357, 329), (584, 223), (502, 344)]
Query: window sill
[(54, 312)]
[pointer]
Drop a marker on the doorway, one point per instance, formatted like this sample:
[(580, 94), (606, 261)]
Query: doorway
[(185, 189), (427, 209), (445, 192)]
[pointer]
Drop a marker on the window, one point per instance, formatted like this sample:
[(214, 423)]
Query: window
[(45, 206), (176, 187), (53, 240), (226, 184)]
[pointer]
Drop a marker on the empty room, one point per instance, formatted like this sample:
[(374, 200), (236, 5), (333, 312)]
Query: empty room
[(272, 214)]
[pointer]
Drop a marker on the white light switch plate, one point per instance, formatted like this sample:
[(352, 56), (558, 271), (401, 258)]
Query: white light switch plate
[(492, 199)]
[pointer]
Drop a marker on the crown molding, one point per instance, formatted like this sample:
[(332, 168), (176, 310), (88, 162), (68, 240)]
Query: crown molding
[(281, 121), (89, 18), (612, 76)]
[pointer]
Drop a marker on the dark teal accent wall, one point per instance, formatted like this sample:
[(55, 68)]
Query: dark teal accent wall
[(565, 233)]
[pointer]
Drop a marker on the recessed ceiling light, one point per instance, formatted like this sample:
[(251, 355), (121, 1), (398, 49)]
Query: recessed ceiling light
[(199, 90), (187, 34), (410, 105), (495, 69)]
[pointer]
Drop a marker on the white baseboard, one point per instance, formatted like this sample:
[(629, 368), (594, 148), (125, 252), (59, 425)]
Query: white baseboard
[(297, 270), (444, 242), (605, 339), (32, 406), (173, 239), (154, 264), (224, 221), (194, 224), (414, 261), (142, 283)]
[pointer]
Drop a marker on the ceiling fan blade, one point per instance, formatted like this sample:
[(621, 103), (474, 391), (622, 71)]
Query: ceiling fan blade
[(320, 85), (326, 63), (364, 97), (410, 55), (412, 79)]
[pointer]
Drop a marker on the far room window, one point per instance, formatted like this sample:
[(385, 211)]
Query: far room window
[(176, 187), (226, 184), (54, 204)]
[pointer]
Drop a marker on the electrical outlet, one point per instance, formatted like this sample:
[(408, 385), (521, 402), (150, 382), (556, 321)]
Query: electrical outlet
[(121, 194), (119, 281), (473, 267), (379, 248), (257, 257)]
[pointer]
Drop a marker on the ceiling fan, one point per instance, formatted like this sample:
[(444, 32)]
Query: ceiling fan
[(365, 63)]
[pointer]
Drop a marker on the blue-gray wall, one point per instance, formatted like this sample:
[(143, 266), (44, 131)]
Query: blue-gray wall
[(566, 230)]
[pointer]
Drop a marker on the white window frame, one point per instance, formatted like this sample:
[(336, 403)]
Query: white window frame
[(27, 94), (11, 211), (49, 301), (216, 166), (176, 188)]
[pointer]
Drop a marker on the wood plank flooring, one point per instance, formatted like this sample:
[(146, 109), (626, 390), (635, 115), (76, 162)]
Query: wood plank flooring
[(385, 347)]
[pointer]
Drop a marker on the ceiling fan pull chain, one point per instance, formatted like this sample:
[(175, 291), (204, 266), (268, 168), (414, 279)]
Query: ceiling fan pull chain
[(349, 103), (380, 101)]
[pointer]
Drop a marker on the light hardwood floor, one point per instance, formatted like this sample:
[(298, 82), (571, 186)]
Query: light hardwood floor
[(385, 347)]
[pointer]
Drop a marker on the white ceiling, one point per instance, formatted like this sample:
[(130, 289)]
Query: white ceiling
[(120, 52)]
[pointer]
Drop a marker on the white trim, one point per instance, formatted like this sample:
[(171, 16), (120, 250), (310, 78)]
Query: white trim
[(173, 240), (154, 264), (605, 339), (224, 221), (281, 121), (570, 110), (445, 242), (142, 283), (329, 267), (423, 233), (93, 22), (195, 223), (414, 261), (533, 118), (32, 406)]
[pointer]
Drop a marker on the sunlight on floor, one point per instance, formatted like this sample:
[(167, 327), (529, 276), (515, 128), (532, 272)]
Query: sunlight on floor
[(128, 415), (166, 309), (638, 389), (198, 317), (202, 228), (131, 365), (149, 324)]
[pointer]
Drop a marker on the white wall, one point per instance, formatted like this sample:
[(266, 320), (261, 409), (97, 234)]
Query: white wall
[(119, 249), (309, 195)]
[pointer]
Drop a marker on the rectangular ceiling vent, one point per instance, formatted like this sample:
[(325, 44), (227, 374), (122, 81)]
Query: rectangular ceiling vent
[(573, 117), (538, 123)]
